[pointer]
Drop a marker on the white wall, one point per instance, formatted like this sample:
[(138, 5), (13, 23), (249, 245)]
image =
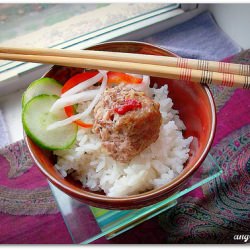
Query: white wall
[(234, 19)]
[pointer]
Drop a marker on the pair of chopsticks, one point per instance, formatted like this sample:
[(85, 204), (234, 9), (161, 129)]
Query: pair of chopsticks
[(201, 71)]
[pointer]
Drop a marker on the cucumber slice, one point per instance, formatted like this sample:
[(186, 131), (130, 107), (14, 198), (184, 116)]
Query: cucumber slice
[(45, 85), (36, 117)]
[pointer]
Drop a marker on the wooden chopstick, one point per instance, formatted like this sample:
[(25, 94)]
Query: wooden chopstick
[(222, 67), (159, 66)]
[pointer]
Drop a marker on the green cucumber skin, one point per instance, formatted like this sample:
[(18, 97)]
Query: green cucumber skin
[(37, 140), (45, 80), (41, 145)]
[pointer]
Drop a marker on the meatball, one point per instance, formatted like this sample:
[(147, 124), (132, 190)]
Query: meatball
[(127, 122)]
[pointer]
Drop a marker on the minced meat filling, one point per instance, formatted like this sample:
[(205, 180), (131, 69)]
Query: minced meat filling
[(125, 134)]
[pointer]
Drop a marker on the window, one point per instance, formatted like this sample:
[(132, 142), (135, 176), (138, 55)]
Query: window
[(74, 26)]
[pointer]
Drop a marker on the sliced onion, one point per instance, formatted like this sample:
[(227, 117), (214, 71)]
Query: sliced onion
[(98, 96), (83, 85), (73, 99), (143, 86), (146, 80), (87, 111)]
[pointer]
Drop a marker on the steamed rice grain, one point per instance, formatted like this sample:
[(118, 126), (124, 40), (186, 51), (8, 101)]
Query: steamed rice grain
[(157, 165)]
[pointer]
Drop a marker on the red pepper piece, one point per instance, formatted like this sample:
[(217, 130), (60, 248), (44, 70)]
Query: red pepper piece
[(76, 79), (129, 105), (118, 77)]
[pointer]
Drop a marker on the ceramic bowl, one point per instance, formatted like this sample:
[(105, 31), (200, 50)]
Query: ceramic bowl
[(197, 110)]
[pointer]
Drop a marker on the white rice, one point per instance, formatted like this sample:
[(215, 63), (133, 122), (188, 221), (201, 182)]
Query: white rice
[(157, 165)]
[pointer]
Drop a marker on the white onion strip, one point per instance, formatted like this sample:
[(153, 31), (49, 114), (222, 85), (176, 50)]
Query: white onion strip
[(87, 111), (83, 85), (145, 80), (143, 86), (73, 99)]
